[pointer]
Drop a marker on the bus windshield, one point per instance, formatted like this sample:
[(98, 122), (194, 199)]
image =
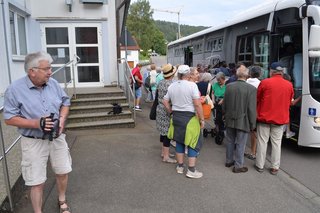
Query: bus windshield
[(314, 2), (315, 77)]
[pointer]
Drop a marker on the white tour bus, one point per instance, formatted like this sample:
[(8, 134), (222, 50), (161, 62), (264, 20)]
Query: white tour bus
[(280, 30)]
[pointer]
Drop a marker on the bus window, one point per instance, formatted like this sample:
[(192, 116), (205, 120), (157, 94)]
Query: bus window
[(297, 71), (261, 52), (315, 73), (315, 78), (245, 50)]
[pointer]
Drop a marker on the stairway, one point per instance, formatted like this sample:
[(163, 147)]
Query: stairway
[(90, 109)]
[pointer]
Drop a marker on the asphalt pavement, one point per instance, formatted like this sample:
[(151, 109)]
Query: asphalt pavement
[(120, 170)]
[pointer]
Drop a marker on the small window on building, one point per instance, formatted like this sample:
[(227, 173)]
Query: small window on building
[(18, 33), (220, 43)]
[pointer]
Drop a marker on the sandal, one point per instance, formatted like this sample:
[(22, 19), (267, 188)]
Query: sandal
[(171, 155), (62, 210), (251, 156), (169, 160)]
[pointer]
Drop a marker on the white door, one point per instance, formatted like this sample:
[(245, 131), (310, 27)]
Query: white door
[(65, 41)]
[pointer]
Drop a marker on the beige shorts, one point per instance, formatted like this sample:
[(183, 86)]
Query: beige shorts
[(35, 154)]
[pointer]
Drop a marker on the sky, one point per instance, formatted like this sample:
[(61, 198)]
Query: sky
[(200, 12)]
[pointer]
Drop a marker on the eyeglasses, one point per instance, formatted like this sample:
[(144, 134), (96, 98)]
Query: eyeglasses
[(46, 69)]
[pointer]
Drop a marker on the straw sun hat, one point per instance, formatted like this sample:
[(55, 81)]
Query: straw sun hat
[(168, 70)]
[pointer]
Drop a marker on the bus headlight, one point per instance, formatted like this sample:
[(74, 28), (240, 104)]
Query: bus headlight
[(317, 120)]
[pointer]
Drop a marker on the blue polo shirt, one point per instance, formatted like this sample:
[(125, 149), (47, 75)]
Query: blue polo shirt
[(24, 99)]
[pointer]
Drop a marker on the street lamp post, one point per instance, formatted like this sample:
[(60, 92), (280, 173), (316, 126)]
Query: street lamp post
[(170, 11)]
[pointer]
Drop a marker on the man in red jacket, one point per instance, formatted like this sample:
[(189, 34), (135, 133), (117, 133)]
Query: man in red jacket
[(138, 92), (274, 96)]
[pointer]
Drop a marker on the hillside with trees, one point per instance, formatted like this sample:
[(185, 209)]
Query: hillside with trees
[(170, 29), (150, 34)]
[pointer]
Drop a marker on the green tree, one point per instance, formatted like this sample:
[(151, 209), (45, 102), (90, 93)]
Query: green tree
[(142, 26), (158, 42)]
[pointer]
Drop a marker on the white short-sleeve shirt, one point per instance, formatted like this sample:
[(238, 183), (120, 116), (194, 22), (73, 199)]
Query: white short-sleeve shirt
[(181, 94)]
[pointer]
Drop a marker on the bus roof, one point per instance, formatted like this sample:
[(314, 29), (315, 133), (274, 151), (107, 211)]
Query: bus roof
[(262, 9)]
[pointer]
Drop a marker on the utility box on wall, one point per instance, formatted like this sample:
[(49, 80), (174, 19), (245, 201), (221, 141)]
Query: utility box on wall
[(94, 1)]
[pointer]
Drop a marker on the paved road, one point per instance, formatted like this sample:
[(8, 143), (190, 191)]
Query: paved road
[(303, 164), (159, 60)]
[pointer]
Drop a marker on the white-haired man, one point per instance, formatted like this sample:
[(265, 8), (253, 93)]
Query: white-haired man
[(34, 104)]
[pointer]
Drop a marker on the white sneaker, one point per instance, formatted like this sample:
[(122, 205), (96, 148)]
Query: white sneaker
[(179, 169), (290, 134), (137, 108), (195, 174)]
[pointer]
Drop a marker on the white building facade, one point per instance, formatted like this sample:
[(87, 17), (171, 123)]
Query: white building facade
[(89, 29)]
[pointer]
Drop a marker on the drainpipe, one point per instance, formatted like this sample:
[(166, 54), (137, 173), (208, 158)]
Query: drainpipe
[(6, 39)]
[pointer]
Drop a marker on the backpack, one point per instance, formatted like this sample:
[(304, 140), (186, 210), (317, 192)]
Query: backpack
[(147, 82), (116, 109), (153, 80)]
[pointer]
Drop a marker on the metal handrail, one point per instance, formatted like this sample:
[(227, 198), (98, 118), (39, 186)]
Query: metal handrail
[(72, 72), (5, 166), (128, 78), (5, 151)]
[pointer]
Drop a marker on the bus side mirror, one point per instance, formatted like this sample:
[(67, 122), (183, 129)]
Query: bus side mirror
[(314, 41)]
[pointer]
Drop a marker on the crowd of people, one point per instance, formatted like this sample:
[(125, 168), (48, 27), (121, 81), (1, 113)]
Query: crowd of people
[(244, 106), (247, 107)]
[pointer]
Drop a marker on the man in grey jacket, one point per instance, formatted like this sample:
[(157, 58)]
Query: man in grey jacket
[(239, 108)]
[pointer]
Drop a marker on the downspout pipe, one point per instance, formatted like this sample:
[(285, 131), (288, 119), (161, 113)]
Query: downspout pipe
[(6, 40)]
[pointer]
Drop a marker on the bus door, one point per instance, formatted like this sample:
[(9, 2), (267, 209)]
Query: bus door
[(290, 55)]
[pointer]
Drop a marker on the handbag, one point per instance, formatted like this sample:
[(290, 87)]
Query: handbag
[(153, 110), (207, 104), (208, 98), (116, 109)]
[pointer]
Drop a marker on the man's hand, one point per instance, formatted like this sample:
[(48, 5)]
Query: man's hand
[(46, 124)]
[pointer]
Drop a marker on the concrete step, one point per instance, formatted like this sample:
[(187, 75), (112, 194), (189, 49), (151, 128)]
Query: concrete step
[(94, 108), (106, 124), (98, 116), (100, 94), (98, 100)]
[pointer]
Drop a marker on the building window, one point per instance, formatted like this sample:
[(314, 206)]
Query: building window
[(209, 46), (220, 43), (198, 48), (18, 33)]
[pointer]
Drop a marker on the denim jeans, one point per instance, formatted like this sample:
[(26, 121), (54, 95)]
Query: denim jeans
[(236, 144)]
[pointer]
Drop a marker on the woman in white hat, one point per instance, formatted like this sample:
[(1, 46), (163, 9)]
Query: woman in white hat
[(183, 101)]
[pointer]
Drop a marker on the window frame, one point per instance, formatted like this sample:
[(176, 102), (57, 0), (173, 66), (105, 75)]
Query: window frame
[(19, 55)]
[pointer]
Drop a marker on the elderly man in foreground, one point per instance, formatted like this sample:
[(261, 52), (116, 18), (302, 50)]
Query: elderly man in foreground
[(38, 106)]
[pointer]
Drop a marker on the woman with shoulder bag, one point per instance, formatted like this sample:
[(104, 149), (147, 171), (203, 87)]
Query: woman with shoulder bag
[(205, 89)]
